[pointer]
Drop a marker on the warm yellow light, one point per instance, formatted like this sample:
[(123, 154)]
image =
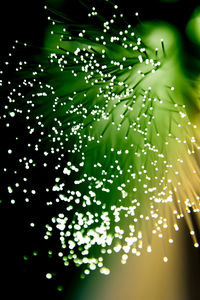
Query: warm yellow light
[(165, 259)]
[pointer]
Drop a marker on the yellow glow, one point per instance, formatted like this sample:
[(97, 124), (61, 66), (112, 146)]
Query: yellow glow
[(165, 259)]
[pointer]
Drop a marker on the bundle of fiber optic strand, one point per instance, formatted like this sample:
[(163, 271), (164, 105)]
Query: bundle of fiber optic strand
[(109, 100)]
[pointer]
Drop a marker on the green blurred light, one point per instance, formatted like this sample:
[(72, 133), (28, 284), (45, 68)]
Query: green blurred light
[(193, 27)]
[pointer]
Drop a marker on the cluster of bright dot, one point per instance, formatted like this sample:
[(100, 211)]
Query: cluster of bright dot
[(119, 141)]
